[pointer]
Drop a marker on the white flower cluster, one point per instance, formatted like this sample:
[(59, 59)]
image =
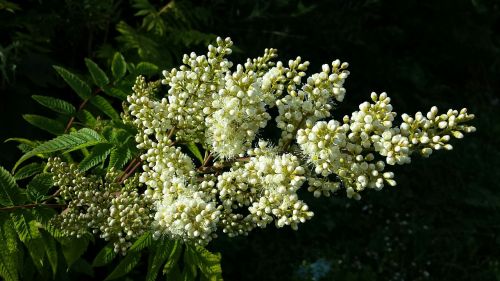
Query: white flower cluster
[(118, 212), (242, 183)]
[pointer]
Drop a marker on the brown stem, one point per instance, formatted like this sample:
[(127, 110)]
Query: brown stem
[(289, 142), (212, 169), (80, 107), (171, 133), (119, 178), (206, 159), (130, 172), (30, 206)]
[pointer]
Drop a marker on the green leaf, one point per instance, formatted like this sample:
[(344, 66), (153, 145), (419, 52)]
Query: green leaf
[(208, 263), (47, 124), (162, 252), (76, 140), (57, 105), (23, 141), (28, 171), (82, 266), (73, 248), (174, 273), (105, 256), (10, 255), (50, 251), (28, 232), (125, 266), (78, 85), (118, 66), (142, 242), (190, 272), (86, 118), (9, 191), (194, 149), (105, 106), (98, 75), (39, 186), (24, 148), (119, 157), (146, 68), (115, 92), (98, 154), (173, 258), (21, 219)]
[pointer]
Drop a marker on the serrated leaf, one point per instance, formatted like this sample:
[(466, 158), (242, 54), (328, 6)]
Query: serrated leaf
[(196, 152), (208, 263), (28, 171), (73, 248), (146, 68), (21, 219), (57, 105), (98, 75), (174, 273), (78, 85), (24, 148), (118, 66), (47, 124), (105, 106), (50, 251), (10, 193), (86, 118), (29, 234), (23, 141), (76, 140), (142, 242), (10, 259), (119, 157), (173, 258), (190, 272), (161, 254), (39, 186), (82, 266), (98, 154), (115, 92), (105, 256), (125, 266)]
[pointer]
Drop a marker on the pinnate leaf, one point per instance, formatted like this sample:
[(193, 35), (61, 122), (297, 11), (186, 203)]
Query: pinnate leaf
[(10, 194), (76, 140), (47, 124), (81, 88), (57, 105), (98, 154), (105, 256), (125, 266), (98, 75), (118, 66)]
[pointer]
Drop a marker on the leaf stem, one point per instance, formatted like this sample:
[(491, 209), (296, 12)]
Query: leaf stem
[(31, 206), (80, 107)]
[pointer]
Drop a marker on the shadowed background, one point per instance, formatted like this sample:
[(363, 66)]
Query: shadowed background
[(440, 223)]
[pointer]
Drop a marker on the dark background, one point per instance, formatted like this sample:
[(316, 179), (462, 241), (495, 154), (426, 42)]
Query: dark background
[(440, 223)]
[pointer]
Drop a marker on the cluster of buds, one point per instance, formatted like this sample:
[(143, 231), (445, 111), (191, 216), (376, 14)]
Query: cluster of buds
[(118, 212), (243, 182)]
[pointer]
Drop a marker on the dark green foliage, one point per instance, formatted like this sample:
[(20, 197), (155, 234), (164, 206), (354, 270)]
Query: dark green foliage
[(57, 105), (77, 84), (441, 223), (98, 75), (47, 124)]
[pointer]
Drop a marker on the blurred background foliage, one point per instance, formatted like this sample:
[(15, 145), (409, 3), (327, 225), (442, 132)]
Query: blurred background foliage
[(440, 223)]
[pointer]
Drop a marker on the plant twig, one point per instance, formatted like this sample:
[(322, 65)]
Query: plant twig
[(130, 172), (80, 107), (31, 206), (119, 178)]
